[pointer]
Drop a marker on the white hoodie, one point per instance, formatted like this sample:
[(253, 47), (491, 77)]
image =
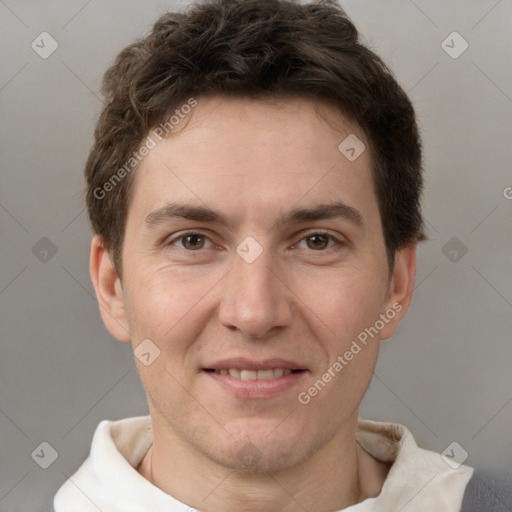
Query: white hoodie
[(108, 481)]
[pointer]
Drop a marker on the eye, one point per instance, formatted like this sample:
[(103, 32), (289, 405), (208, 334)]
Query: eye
[(190, 241), (194, 242), (319, 241)]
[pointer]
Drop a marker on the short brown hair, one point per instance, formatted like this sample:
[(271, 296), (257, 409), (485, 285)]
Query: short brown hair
[(257, 49)]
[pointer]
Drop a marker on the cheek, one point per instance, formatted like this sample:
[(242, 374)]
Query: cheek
[(346, 302), (168, 308), (349, 305), (152, 307)]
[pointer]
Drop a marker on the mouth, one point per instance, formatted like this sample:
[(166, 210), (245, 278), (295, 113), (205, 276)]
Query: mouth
[(247, 374), (250, 379)]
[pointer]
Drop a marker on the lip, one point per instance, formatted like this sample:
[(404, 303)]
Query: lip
[(267, 388), (242, 363)]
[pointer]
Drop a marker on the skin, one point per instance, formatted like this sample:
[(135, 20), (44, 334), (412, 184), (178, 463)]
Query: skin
[(200, 302)]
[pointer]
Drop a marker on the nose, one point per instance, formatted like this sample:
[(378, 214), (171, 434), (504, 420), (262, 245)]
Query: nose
[(255, 298)]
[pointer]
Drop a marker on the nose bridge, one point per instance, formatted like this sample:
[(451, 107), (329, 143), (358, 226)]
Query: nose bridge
[(255, 300)]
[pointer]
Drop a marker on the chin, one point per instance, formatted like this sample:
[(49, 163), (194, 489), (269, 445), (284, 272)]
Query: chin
[(261, 448), (250, 459)]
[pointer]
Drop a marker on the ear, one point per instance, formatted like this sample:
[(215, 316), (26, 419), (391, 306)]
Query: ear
[(109, 291), (400, 290)]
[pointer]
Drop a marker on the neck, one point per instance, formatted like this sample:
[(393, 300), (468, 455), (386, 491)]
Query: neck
[(338, 475)]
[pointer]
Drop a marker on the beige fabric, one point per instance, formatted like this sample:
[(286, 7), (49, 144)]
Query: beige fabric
[(418, 480)]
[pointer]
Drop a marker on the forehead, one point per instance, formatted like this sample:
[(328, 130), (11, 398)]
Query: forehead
[(233, 152)]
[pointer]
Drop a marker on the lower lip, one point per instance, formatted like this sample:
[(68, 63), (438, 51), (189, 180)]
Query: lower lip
[(257, 388)]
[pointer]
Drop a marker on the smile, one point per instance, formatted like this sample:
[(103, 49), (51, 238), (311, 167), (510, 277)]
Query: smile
[(263, 383), (266, 374)]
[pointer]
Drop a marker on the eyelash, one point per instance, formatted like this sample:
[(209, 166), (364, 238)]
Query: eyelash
[(338, 242)]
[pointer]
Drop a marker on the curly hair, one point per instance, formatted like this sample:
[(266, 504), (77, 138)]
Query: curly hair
[(258, 49)]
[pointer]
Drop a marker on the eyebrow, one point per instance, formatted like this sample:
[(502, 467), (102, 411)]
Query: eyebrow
[(336, 210)]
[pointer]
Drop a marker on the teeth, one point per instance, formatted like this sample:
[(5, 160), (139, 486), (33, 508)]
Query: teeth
[(248, 374), (234, 373), (254, 374), (265, 374)]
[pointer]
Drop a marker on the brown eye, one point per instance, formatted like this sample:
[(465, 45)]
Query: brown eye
[(193, 242), (190, 242), (317, 241)]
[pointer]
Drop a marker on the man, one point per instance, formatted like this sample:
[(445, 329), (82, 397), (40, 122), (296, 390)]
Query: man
[(254, 189)]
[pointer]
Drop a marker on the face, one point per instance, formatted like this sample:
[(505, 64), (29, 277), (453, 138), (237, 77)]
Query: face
[(253, 260)]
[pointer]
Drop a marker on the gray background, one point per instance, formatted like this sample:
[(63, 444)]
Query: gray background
[(445, 374)]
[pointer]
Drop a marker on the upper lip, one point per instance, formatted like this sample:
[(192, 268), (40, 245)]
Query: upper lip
[(243, 363)]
